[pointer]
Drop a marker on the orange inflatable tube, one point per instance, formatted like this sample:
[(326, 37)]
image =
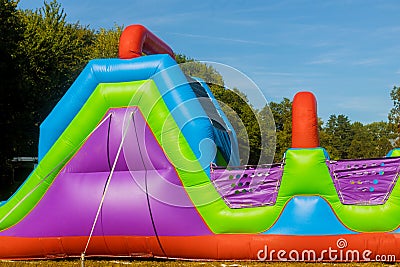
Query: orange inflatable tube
[(304, 121), (137, 40)]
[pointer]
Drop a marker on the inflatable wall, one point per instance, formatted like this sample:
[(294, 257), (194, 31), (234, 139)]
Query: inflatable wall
[(127, 168)]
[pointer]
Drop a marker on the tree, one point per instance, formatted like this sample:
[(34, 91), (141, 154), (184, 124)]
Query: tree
[(106, 42), (51, 55), (41, 55), (336, 136), (370, 141), (11, 34), (198, 69), (361, 145), (282, 113), (381, 136), (181, 58), (394, 115), (11, 28), (268, 136), (244, 119)]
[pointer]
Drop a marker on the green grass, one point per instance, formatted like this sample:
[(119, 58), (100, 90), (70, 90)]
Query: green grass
[(171, 263)]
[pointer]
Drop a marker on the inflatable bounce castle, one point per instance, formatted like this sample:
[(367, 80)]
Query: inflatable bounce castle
[(127, 168)]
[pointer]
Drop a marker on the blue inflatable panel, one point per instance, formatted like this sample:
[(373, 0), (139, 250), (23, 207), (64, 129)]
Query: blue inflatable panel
[(234, 146), (308, 215), (186, 110), (393, 153), (96, 71), (172, 83)]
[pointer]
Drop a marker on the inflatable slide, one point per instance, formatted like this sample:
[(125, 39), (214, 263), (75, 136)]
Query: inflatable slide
[(139, 160)]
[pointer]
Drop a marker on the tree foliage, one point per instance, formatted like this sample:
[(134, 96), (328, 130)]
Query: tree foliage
[(394, 114), (282, 113), (244, 119), (11, 33), (200, 70), (336, 136), (370, 141), (346, 140), (52, 52), (105, 44), (41, 54)]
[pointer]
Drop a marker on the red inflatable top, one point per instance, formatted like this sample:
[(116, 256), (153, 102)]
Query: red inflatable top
[(137, 40), (304, 121)]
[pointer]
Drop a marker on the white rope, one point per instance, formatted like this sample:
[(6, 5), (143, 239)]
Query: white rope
[(105, 190), (54, 169)]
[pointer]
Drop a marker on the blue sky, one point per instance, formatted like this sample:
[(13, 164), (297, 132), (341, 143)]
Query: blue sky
[(346, 52)]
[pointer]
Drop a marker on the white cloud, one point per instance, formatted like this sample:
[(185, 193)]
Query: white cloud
[(388, 30), (331, 57), (362, 108), (368, 62), (322, 61), (269, 73), (217, 38)]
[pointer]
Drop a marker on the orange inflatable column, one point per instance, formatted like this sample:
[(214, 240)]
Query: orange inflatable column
[(304, 121)]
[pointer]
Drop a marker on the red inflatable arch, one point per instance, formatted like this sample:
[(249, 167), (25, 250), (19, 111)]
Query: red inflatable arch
[(137, 40)]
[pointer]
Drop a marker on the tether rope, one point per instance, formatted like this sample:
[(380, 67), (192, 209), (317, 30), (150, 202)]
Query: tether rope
[(105, 192)]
